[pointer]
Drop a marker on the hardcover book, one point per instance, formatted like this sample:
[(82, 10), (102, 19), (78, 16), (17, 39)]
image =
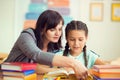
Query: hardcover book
[(29, 77), (107, 68), (18, 66), (17, 73), (97, 78), (106, 75)]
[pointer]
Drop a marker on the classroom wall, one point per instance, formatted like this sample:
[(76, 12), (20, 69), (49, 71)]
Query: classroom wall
[(103, 35)]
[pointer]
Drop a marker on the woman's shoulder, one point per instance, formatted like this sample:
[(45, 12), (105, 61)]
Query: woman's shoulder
[(29, 31)]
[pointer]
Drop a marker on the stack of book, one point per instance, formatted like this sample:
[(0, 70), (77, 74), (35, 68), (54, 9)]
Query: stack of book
[(18, 71), (106, 72)]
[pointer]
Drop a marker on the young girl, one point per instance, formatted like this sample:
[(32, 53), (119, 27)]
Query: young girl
[(76, 34), (38, 45)]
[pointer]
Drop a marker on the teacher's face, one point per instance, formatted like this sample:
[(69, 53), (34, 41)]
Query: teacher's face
[(53, 34)]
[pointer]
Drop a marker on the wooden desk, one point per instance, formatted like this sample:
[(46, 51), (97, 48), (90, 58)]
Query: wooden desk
[(39, 77), (3, 56)]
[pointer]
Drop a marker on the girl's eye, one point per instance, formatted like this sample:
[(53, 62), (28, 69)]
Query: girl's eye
[(80, 39), (71, 39)]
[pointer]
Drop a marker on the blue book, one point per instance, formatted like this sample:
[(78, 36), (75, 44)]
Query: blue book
[(17, 73), (97, 78)]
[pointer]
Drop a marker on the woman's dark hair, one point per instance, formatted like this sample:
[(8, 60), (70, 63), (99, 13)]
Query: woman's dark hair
[(47, 20), (76, 25)]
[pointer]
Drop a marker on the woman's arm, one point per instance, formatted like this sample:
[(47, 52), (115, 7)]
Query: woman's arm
[(80, 70), (41, 69)]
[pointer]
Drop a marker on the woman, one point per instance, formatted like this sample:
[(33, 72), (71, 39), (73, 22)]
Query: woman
[(39, 44)]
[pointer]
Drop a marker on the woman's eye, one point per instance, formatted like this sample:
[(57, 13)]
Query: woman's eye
[(52, 29)]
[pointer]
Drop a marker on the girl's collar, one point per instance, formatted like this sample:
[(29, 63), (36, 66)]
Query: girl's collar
[(75, 57)]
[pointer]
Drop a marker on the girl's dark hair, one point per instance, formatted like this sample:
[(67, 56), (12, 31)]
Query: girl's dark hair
[(76, 25), (47, 20)]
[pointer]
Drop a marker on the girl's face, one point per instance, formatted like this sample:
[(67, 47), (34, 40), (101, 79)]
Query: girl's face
[(53, 34), (76, 40)]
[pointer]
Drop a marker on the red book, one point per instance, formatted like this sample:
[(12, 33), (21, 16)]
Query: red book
[(18, 66)]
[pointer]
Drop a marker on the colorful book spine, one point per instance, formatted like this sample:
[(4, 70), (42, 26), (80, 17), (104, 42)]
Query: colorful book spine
[(29, 77), (18, 66), (97, 78), (17, 73)]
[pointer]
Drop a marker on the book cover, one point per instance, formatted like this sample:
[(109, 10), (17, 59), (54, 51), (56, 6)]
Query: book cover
[(107, 70), (17, 73), (18, 66), (97, 78), (29, 77), (106, 66), (105, 75)]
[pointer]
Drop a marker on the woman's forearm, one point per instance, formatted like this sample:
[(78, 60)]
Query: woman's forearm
[(80, 70), (63, 61), (44, 69)]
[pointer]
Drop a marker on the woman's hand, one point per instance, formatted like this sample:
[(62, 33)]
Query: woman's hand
[(80, 70)]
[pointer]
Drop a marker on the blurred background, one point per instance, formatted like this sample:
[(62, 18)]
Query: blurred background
[(101, 16)]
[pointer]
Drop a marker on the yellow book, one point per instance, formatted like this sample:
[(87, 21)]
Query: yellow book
[(29, 77)]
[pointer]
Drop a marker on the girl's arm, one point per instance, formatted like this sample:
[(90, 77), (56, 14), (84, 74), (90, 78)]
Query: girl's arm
[(99, 62)]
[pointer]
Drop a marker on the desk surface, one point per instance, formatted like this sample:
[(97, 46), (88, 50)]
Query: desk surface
[(39, 77)]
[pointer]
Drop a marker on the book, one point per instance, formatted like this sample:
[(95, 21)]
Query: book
[(107, 68), (29, 77), (63, 74), (18, 66), (97, 78), (17, 73), (105, 75)]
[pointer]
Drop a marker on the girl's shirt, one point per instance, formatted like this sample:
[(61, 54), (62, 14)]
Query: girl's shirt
[(91, 57)]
